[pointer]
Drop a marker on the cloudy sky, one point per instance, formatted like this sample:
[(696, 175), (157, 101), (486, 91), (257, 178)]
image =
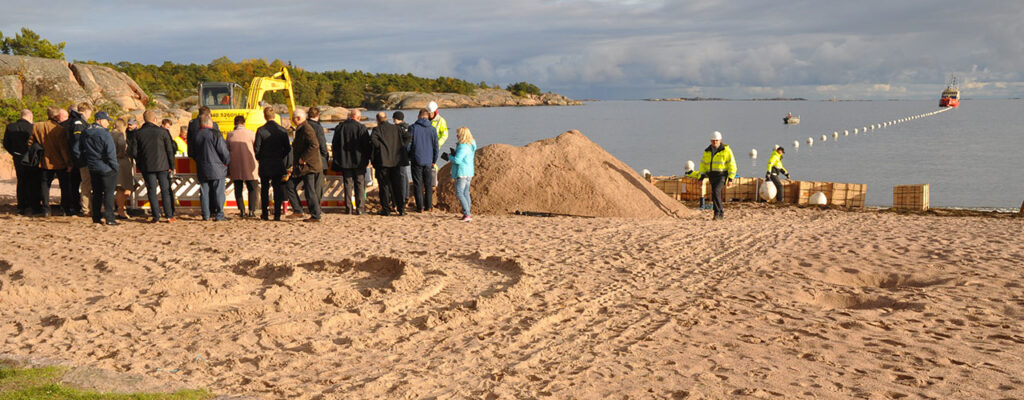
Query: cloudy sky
[(603, 49)]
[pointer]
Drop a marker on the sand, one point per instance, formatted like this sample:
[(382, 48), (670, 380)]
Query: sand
[(568, 174), (773, 302)]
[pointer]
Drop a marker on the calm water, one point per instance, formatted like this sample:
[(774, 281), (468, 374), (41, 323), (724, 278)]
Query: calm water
[(969, 156)]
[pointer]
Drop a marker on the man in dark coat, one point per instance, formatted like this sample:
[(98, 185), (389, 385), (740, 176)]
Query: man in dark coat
[(56, 159), (78, 180), (423, 151), (306, 156), (389, 152), (16, 143), (212, 159), (272, 151), (153, 151), (351, 146), (399, 119), (193, 126), (95, 149), (321, 137)]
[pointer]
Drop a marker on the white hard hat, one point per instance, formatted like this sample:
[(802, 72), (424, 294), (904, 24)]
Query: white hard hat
[(716, 135), (431, 106)]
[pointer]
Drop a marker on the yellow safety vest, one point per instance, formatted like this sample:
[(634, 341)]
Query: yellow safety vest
[(775, 161), (722, 161), (442, 129)]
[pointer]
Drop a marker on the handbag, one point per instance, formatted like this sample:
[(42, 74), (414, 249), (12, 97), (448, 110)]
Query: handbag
[(32, 157)]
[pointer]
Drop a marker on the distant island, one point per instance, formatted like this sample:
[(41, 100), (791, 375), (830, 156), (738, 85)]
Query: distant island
[(724, 99)]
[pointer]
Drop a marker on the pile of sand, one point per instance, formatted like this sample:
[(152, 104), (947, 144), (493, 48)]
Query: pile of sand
[(568, 174)]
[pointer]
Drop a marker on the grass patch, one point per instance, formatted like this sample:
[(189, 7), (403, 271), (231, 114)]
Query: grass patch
[(44, 384)]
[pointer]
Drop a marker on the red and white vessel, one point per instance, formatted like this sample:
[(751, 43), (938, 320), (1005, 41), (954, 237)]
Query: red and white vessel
[(951, 96)]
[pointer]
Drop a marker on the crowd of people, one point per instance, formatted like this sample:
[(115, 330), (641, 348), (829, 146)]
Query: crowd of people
[(95, 163)]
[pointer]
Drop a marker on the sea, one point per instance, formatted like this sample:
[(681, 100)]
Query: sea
[(970, 156)]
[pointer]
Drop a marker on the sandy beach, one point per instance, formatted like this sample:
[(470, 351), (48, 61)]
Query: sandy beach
[(774, 302)]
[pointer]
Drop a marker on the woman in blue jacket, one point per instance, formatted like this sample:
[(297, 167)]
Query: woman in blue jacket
[(462, 168)]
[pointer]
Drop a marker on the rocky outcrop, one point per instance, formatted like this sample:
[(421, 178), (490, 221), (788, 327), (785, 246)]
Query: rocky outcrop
[(65, 82), (482, 98)]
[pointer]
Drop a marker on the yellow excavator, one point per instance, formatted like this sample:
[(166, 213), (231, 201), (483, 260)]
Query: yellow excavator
[(226, 100)]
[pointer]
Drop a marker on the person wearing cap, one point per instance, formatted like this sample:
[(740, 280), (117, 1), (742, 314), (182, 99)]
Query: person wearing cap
[(439, 124), (719, 166), (773, 170), (94, 147)]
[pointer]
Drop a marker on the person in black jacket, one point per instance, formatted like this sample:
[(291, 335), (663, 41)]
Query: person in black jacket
[(16, 143), (351, 146), (389, 153), (193, 127), (95, 149), (153, 151), (272, 151), (78, 184), (399, 119), (321, 137)]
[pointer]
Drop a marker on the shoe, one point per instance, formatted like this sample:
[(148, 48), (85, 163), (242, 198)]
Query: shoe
[(113, 223), (718, 217), (169, 220), (121, 217), (222, 219), (383, 213), (401, 213), (311, 219), (295, 215), (154, 220), (265, 218), (97, 222), (360, 212), (467, 218)]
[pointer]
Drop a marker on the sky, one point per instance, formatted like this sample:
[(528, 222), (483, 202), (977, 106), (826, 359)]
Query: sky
[(588, 49)]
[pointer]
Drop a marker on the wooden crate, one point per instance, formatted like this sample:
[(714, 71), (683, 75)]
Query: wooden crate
[(849, 195), (910, 197), (742, 189), (681, 188), (808, 188), (791, 191)]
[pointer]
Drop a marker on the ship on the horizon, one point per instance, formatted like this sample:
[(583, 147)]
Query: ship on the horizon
[(951, 96)]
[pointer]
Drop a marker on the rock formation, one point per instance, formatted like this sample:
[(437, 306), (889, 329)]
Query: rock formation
[(482, 98), (568, 174), (22, 76)]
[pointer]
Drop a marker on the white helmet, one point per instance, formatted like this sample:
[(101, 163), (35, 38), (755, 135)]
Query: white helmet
[(431, 106), (716, 135)]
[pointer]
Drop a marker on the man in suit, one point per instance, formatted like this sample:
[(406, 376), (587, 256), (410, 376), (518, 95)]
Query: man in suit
[(351, 146), (16, 143), (212, 158), (272, 149), (153, 151), (306, 156), (56, 160), (325, 157), (389, 152)]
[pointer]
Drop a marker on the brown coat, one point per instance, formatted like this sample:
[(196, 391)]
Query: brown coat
[(54, 139), (243, 164), (306, 148)]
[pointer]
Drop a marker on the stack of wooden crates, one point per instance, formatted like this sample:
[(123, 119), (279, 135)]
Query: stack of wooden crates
[(848, 195), (910, 197)]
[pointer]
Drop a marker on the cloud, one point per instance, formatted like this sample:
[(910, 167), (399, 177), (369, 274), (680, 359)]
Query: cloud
[(584, 48)]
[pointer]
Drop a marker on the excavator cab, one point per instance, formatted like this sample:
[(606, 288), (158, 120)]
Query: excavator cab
[(221, 95)]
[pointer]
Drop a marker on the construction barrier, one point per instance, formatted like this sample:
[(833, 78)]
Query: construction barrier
[(185, 186)]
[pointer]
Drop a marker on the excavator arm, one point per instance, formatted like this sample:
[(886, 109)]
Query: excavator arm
[(261, 85)]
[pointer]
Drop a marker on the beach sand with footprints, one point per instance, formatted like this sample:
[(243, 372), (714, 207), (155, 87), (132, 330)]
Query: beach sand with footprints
[(774, 302)]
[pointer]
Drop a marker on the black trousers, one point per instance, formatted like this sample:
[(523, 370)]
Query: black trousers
[(253, 192), (422, 186), (292, 193), (161, 180), (778, 187), (103, 187), (354, 180), (717, 184), (267, 182), (393, 187), (309, 182), (74, 197), (46, 180), (28, 188)]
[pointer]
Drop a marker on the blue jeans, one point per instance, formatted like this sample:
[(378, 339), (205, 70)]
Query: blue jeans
[(462, 192), (211, 199)]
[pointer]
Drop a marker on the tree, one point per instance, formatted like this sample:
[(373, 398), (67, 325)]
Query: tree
[(522, 89), (28, 43)]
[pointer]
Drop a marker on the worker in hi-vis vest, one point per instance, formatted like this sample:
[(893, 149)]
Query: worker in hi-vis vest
[(438, 122), (774, 169), (719, 166)]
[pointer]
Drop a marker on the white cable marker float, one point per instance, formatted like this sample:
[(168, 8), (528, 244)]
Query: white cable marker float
[(835, 135), (796, 144), (753, 154), (854, 131), (818, 199), (690, 165), (646, 173), (810, 142), (846, 132), (768, 191), (824, 138)]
